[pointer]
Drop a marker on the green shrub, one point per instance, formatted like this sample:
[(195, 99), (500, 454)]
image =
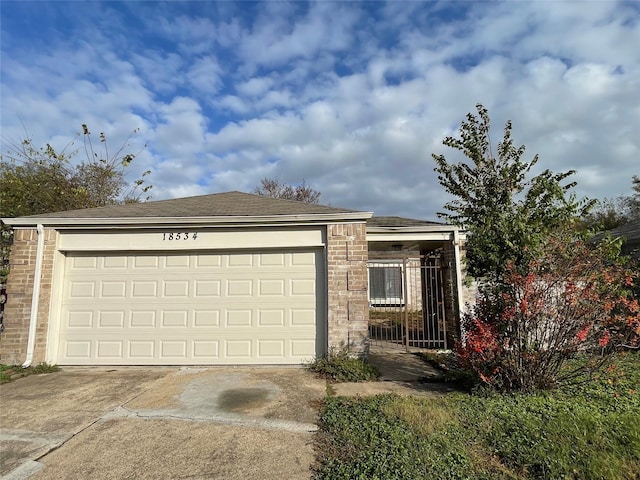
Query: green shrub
[(340, 366)]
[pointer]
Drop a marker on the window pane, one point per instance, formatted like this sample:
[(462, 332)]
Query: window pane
[(385, 283), (393, 282), (376, 282)]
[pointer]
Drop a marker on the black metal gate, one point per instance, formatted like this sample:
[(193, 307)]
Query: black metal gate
[(406, 302)]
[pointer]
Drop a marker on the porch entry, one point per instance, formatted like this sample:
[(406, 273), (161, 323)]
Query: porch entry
[(406, 301)]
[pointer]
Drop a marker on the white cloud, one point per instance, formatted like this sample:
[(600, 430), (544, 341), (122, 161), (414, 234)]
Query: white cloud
[(182, 128), (351, 97), (255, 86), (204, 75)]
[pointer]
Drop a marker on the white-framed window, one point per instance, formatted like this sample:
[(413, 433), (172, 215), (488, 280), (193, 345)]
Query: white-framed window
[(385, 284)]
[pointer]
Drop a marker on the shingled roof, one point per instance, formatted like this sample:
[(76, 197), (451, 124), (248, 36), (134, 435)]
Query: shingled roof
[(231, 204)]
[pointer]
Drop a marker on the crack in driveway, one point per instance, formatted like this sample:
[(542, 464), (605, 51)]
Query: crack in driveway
[(225, 419), (48, 414)]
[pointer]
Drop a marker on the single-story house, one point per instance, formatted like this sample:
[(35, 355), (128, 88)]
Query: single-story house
[(228, 278)]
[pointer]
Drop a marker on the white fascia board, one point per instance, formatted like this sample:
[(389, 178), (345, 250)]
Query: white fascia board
[(127, 222), (427, 232), (409, 237), (421, 228)]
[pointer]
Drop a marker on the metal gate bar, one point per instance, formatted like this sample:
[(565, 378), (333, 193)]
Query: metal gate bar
[(406, 302)]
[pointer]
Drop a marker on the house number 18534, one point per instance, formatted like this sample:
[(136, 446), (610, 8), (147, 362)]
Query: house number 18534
[(179, 236)]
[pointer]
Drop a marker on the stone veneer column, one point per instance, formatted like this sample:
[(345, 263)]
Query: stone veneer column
[(17, 312), (348, 312)]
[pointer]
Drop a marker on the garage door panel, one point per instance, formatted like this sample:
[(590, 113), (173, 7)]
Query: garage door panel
[(141, 349), (109, 349), (272, 260), (205, 308), (177, 261), (77, 350), (169, 351), (144, 261), (111, 319), (208, 261), (207, 288), (82, 289), (206, 318), (80, 319), (303, 348), (142, 318), (83, 263), (144, 289), (271, 348), (271, 318), (115, 262)]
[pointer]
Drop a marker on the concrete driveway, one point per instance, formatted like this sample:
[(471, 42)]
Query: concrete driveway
[(161, 423)]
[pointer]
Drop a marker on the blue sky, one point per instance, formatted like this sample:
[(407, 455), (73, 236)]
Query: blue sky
[(352, 97)]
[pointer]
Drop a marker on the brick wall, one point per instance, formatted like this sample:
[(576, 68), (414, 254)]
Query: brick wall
[(348, 311), (22, 264)]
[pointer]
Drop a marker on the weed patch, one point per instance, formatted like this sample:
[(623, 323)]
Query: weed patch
[(340, 366), (369, 438), (587, 430), (10, 372)]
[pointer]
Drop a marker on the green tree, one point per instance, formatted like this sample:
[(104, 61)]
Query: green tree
[(607, 215), (633, 202), (612, 213), (271, 187), (507, 214), (41, 180)]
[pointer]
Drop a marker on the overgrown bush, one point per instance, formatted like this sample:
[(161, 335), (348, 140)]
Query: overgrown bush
[(573, 298), (341, 366)]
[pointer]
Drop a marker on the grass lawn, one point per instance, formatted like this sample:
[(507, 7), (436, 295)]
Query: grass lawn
[(588, 431)]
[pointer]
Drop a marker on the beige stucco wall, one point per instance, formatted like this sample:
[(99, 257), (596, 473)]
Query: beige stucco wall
[(22, 264)]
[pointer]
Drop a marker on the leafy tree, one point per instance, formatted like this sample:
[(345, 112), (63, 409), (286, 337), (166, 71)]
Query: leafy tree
[(606, 215), (271, 187), (612, 213), (507, 215), (41, 180), (548, 294), (633, 202)]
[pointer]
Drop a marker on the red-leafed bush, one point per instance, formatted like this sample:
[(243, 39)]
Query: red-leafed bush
[(574, 298)]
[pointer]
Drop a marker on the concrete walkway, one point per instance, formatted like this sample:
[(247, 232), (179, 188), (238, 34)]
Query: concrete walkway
[(401, 373)]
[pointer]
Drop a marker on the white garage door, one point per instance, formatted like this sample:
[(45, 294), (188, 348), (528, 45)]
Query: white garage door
[(198, 308)]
